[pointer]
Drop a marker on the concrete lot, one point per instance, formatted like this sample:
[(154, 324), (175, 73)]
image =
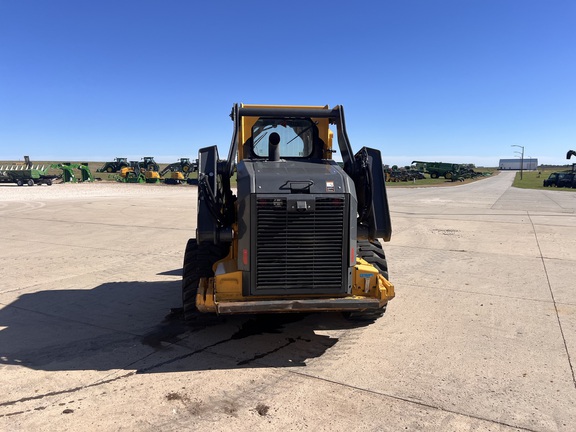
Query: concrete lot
[(481, 335)]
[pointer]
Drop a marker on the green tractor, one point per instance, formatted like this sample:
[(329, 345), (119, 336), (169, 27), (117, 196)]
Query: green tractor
[(149, 164), (179, 172), (183, 165), (115, 166)]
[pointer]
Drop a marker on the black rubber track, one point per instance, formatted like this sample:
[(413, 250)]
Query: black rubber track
[(372, 252), (198, 261)]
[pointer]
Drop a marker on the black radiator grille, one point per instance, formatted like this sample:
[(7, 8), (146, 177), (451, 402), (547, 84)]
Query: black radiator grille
[(300, 251)]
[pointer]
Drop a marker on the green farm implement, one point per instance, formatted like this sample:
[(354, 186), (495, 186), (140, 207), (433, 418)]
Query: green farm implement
[(68, 175), (439, 169), (22, 175), (26, 174)]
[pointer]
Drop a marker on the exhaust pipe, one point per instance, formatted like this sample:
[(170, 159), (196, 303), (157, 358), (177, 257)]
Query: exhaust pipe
[(273, 148)]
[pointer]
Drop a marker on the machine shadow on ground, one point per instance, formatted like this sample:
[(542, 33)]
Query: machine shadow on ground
[(137, 326)]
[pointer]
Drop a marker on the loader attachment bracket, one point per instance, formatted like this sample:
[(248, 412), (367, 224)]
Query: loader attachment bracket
[(374, 214)]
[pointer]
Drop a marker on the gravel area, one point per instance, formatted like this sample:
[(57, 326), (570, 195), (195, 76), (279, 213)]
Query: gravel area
[(480, 337), (12, 192)]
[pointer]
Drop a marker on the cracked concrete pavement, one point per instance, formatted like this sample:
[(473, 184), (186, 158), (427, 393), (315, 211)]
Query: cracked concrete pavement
[(481, 335)]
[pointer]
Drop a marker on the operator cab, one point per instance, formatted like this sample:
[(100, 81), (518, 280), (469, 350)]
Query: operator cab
[(292, 138)]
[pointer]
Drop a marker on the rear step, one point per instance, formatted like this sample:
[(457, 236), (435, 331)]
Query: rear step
[(351, 304)]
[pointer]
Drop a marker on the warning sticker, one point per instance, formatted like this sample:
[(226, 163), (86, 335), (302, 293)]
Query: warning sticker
[(330, 186)]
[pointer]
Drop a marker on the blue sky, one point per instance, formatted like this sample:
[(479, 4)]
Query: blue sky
[(444, 80)]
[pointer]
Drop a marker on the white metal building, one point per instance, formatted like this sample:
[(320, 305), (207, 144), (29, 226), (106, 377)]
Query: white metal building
[(515, 164)]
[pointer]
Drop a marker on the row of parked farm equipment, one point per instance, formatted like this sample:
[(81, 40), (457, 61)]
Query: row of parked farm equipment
[(28, 174), (406, 174), (450, 171), (148, 171)]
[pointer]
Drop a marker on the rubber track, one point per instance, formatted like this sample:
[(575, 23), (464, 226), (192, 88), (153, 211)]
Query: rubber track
[(198, 261)]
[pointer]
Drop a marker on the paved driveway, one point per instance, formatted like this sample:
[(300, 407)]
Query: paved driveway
[(481, 335)]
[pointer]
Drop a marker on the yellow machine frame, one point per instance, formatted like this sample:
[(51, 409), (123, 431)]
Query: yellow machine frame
[(223, 292)]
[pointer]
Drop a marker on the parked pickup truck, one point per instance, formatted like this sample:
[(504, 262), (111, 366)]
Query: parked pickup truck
[(561, 179)]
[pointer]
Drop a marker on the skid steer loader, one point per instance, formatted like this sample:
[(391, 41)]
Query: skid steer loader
[(300, 233)]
